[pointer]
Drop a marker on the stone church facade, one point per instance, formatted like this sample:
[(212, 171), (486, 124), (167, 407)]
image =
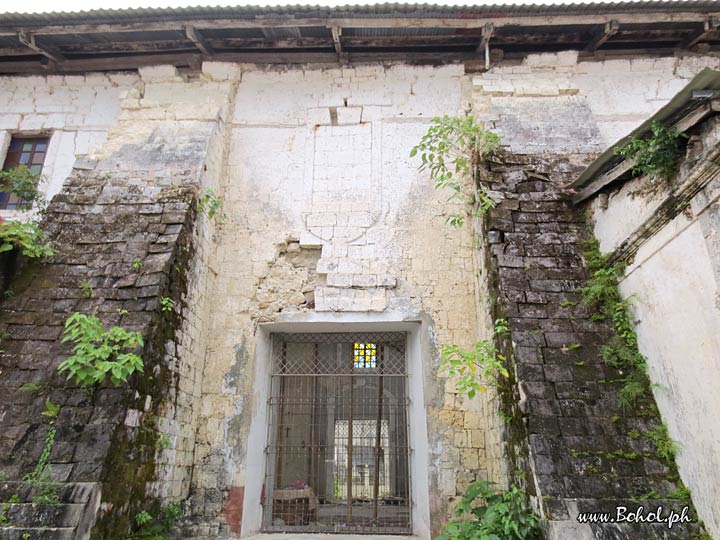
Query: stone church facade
[(292, 340)]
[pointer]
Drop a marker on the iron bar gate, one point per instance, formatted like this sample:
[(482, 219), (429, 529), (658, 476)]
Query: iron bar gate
[(337, 452)]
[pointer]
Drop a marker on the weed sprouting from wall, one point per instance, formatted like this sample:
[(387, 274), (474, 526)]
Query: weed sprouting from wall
[(621, 351), (473, 370), (40, 478), (98, 352), (211, 205), (657, 154), (483, 512), (451, 151)]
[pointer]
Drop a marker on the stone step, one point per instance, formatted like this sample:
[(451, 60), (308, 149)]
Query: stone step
[(39, 515), (46, 533), (74, 493)]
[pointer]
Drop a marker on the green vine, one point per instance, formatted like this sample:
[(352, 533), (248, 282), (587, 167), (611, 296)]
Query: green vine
[(483, 513), (98, 352), (472, 370), (621, 351), (40, 478), (666, 447), (452, 150), (167, 303), (657, 154)]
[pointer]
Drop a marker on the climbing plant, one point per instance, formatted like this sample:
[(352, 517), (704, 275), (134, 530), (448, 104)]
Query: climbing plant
[(621, 350), (99, 352), (484, 513), (40, 478), (451, 151), (657, 154)]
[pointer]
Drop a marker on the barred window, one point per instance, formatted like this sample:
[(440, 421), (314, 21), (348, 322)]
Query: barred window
[(337, 454)]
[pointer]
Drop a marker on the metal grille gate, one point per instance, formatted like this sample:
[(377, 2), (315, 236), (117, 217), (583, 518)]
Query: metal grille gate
[(337, 453)]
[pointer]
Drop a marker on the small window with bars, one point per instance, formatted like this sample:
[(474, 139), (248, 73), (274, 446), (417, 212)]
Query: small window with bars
[(27, 152)]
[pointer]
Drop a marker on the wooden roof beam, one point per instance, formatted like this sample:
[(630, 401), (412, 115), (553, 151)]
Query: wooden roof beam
[(197, 38), (709, 27), (611, 28), (337, 42), (484, 46), (29, 41)]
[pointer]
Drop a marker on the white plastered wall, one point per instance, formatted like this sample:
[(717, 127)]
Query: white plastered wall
[(75, 111), (318, 160), (553, 103), (675, 301)]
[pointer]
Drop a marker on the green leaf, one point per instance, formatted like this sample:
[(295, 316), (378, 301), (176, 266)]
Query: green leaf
[(51, 410), (98, 352)]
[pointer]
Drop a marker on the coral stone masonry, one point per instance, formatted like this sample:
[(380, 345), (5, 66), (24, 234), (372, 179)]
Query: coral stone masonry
[(292, 377)]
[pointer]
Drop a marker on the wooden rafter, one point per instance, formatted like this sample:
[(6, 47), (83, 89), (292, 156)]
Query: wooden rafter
[(484, 46), (487, 32), (29, 41), (611, 28), (709, 27), (108, 45), (337, 42), (196, 37)]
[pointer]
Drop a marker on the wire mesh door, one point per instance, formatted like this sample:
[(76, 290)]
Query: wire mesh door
[(337, 454)]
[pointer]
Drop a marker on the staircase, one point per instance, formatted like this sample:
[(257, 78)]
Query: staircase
[(585, 453), (70, 519)]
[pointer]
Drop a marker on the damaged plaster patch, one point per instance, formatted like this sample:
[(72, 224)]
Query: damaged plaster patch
[(236, 427), (290, 282), (237, 368)]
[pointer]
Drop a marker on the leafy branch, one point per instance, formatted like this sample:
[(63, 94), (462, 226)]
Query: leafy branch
[(23, 183), (451, 151), (27, 237), (657, 154), (99, 352), (211, 205), (483, 513), (473, 370)]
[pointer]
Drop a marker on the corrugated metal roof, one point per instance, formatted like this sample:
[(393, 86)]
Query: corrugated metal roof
[(678, 106), (349, 10)]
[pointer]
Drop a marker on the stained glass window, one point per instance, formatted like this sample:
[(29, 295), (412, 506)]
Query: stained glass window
[(365, 355)]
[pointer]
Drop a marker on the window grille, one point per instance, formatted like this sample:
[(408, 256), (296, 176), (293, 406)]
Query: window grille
[(337, 453)]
